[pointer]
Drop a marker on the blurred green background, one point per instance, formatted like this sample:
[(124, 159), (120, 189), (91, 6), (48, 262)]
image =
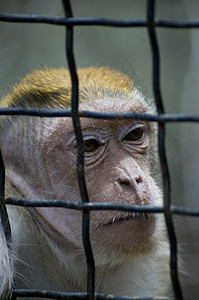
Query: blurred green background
[(28, 46)]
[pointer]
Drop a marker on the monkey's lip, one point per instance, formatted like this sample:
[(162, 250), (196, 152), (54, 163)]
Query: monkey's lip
[(128, 218)]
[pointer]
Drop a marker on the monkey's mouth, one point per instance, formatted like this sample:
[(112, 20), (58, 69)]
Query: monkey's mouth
[(130, 217)]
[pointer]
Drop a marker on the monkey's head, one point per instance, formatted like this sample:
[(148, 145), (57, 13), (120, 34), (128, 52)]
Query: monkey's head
[(120, 155)]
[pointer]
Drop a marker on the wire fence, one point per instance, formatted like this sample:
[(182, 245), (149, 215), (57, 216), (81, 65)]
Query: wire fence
[(167, 209)]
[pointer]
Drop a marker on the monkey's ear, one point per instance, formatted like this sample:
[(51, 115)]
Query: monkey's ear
[(2, 131), (6, 124)]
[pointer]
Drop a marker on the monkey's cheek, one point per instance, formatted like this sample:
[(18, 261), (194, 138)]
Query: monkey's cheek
[(62, 225), (133, 235)]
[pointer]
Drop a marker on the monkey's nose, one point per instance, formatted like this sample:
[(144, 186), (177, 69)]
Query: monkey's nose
[(131, 181)]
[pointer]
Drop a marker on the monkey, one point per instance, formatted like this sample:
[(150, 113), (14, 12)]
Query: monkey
[(130, 250)]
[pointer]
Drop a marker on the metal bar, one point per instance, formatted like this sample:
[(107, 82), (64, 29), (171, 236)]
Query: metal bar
[(3, 212), (72, 296), (85, 206), (51, 20), (162, 154), (176, 210), (80, 154), (161, 118)]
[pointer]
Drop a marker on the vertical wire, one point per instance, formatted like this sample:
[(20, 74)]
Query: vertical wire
[(3, 211), (162, 154), (80, 154)]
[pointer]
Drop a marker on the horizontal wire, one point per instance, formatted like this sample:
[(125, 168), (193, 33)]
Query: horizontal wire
[(162, 118), (177, 210), (34, 112), (72, 296), (51, 20)]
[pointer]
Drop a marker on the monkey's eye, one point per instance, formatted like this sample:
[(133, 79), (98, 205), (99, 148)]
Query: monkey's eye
[(134, 135), (91, 145)]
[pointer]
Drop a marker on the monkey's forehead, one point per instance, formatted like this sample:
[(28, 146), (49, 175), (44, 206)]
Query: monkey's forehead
[(105, 105), (134, 103)]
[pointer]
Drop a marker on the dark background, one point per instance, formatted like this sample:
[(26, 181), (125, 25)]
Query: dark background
[(28, 46)]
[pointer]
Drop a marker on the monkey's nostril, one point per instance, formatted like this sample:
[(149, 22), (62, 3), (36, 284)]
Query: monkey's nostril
[(125, 182), (130, 181), (138, 179)]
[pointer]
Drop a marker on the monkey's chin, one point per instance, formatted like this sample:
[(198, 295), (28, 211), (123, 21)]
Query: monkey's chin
[(131, 233)]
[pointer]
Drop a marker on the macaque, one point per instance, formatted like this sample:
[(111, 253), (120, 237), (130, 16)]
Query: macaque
[(130, 249)]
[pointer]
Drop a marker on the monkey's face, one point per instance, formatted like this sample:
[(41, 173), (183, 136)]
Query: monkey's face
[(119, 156)]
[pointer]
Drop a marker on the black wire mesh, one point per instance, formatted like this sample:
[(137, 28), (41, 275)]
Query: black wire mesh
[(167, 209)]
